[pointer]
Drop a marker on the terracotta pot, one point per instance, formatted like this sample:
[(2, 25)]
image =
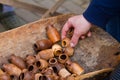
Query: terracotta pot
[(42, 44), (41, 64), (1, 72), (65, 42), (14, 77), (61, 78), (38, 76), (12, 69), (5, 76), (53, 61), (60, 70), (64, 73), (46, 54), (53, 34), (18, 61), (74, 67), (49, 72), (56, 77), (71, 77), (57, 49), (30, 59), (62, 58), (33, 68), (45, 78), (69, 50), (26, 75)]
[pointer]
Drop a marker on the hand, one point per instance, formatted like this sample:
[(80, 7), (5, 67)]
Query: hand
[(81, 28)]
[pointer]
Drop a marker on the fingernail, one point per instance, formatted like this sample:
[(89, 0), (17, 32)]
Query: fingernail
[(63, 37), (71, 44)]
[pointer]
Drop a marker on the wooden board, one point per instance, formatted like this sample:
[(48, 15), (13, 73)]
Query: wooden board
[(94, 53), (52, 10), (28, 6)]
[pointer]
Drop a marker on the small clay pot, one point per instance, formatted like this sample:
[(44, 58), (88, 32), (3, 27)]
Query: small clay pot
[(62, 58), (69, 50), (60, 70), (53, 34), (53, 61), (46, 54), (14, 77), (74, 67), (42, 44), (41, 64), (57, 49), (38, 76), (61, 78), (71, 77), (18, 61), (33, 68), (64, 73), (1, 72), (30, 59), (49, 72), (46, 77), (12, 69), (65, 42), (26, 75), (4, 76)]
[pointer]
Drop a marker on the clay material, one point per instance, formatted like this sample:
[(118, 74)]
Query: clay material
[(53, 34)]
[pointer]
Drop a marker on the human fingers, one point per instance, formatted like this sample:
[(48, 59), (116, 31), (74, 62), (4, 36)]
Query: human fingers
[(82, 37), (74, 39), (65, 29), (89, 34)]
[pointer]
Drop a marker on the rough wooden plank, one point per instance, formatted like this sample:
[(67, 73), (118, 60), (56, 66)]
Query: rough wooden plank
[(93, 53), (81, 2), (27, 15), (85, 5), (49, 3), (2, 29), (53, 9), (72, 7), (63, 10), (29, 1), (24, 5), (45, 3), (38, 14)]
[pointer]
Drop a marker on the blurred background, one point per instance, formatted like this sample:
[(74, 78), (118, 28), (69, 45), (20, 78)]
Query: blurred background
[(20, 12)]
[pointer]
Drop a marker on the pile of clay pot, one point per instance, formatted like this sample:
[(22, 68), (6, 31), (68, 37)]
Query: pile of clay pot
[(52, 61)]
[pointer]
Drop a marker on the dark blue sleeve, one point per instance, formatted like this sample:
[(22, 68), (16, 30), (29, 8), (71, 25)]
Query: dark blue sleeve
[(100, 11)]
